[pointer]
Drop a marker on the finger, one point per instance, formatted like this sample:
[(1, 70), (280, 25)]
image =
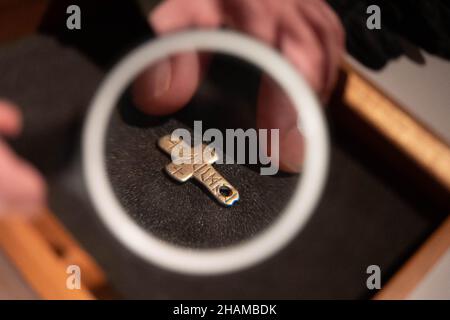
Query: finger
[(299, 44), (334, 20), (255, 17), (10, 118), (175, 15), (169, 85), (22, 188), (325, 32), (275, 111)]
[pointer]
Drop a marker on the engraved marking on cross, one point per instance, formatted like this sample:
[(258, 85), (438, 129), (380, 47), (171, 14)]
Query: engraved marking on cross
[(199, 167)]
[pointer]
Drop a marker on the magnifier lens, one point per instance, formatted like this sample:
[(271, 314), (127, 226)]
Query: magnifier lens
[(226, 104), (249, 125)]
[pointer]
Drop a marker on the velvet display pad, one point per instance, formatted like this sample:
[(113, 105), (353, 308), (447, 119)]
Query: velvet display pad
[(362, 217), (185, 213)]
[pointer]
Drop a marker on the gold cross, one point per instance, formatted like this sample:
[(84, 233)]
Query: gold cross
[(202, 171)]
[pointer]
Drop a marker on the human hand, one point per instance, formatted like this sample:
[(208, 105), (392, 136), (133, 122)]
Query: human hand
[(306, 32), (22, 189)]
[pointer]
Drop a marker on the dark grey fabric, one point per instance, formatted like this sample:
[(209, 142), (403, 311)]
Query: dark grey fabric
[(29, 70), (361, 219)]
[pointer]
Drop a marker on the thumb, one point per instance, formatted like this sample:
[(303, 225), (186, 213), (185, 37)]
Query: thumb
[(10, 118), (22, 188), (169, 84), (275, 111)]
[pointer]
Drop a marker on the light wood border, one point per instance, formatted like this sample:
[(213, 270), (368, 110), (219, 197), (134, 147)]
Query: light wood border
[(41, 249), (400, 128), (409, 276), (425, 149)]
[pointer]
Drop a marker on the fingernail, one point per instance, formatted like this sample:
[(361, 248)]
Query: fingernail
[(160, 78)]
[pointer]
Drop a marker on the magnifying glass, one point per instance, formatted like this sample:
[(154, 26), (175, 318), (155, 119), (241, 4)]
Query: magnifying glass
[(208, 261)]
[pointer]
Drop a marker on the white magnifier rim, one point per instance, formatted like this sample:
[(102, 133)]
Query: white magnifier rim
[(206, 261)]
